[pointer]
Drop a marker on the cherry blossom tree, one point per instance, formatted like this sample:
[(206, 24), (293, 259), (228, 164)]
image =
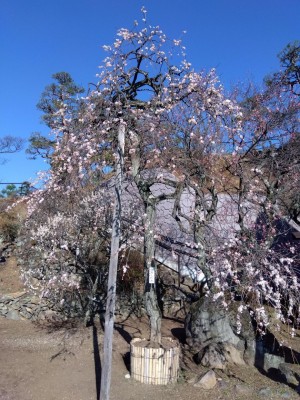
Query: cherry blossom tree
[(263, 262), (176, 121), (182, 132)]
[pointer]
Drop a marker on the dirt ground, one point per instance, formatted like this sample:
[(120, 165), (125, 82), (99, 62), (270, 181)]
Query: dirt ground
[(37, 363)]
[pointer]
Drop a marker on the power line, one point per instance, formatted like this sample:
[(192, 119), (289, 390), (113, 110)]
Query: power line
[(12, 183)]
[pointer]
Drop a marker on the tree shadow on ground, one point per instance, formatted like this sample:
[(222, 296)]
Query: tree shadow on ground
[(179, 334), (119, 327), (125, 334), (126, 359), (97, 361)]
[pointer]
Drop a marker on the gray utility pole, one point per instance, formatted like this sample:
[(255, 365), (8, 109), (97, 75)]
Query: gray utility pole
[(112, 274)]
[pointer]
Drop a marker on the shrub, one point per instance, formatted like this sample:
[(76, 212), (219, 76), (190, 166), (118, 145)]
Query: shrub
[(11, 219)]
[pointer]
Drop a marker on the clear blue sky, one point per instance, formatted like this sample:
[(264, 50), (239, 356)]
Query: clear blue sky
[(240, 38)]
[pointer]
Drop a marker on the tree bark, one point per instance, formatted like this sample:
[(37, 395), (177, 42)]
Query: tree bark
[(151, 301), (200, 223), (112, 276), (150, 202)]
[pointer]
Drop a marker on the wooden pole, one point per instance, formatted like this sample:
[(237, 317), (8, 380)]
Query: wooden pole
[(179, 271), (112, 274)]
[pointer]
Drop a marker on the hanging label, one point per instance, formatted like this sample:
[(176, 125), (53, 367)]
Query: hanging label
[(151, 275)]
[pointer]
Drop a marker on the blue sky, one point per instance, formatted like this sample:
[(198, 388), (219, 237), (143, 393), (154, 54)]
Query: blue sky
[(240, 38)]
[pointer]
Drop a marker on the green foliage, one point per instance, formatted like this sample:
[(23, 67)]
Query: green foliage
[(11, 219), (11, 190), (8, 227), (39, 146), (24, 189), (57, 95), (289, 59)]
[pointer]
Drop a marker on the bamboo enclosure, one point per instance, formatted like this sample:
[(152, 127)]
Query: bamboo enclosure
[(154, 365)]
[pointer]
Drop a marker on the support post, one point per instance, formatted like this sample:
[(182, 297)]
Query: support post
[(112, 275)]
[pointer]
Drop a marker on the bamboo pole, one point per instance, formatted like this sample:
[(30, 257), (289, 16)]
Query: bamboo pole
[(158, 370)]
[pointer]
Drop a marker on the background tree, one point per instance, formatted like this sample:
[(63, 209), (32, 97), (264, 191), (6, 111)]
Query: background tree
[(289, 77), (264, 176), (40, 146), (10, 144), (63, 94), (10, 190), (288, 83)]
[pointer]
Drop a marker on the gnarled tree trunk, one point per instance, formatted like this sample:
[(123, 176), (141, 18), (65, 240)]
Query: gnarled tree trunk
[(151, 301)]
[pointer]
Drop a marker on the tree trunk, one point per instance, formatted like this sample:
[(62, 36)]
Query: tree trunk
[(151, 302), (150, 295), (199, 238), (112, 276)]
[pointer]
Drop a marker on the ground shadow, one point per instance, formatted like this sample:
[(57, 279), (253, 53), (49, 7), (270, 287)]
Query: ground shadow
[(179, 334), (126, 359), (174, 319), (270, 345), (125, 335), (97, 361), (128, 338)]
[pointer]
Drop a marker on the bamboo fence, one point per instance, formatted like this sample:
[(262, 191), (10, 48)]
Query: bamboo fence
[(154, 366)]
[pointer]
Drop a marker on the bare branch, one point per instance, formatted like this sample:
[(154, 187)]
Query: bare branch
[(10, 144)]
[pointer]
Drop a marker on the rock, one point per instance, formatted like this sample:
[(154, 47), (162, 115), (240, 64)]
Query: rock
[(207, 381), (212, 357), (285, 395), (16, 295), (13, 314), (223, 385), (243, 390), (219, 355), (290, 373), (270, 361), (209, 324), (193, 379), (265, 392), (5, 299), (25, 314), (232, 354), (35, 300)]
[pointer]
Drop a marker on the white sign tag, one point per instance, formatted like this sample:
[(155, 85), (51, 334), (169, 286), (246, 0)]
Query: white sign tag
[(151, 275)]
